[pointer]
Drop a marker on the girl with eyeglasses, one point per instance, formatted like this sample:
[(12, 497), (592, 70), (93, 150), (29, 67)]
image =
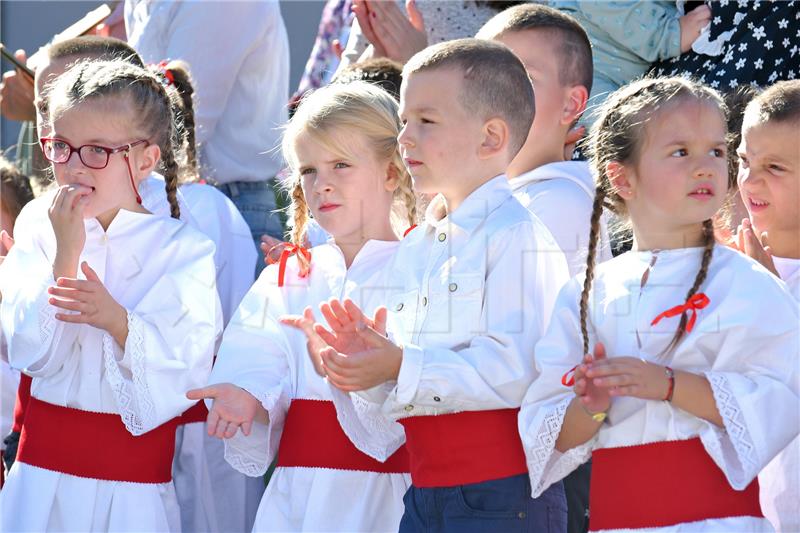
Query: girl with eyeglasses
[(113, 312)]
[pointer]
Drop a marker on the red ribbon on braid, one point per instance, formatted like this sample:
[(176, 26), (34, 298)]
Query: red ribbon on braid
[(165, 72), (288, 250), (568, 379), (409, 230), (692, 305)]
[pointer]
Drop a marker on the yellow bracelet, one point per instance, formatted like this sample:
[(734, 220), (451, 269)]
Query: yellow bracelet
[(597, 417)]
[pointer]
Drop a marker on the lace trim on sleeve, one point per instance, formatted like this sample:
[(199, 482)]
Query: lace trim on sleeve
[(546, 465), (366, 426), (135, 404), (733, 448), (47, 322)]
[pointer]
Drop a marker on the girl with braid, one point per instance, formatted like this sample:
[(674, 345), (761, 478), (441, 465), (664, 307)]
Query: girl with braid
[(212, 495), (668, 364), (269, 399), (113, 313)]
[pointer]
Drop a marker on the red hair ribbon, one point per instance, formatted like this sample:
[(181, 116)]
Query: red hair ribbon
[(288, 250), (167, 73), (409, 230), (692, 305)]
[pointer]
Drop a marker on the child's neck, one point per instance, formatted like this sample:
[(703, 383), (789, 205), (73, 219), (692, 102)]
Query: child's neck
[(784, 243), (105, 219), (688, 237), (537, 156), (351, 245)]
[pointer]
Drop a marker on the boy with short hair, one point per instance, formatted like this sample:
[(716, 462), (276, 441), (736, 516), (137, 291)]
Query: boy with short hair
[(476, 283), (558, 57)]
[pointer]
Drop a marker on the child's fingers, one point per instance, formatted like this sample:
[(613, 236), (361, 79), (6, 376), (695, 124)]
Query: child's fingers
[(72, 319), (90, 274), (330, 316), (336, 362), (231, 430), (219, 428), (72, 283), (246, 428), (381, 316), (203, 393), (211, 420), (629, 390), (70, 305), (72, 294), (326, 336), (342, 315), (354, 313)]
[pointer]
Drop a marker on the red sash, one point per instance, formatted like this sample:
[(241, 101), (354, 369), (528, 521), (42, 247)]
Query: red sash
[(464, 448), (94, 445), (196, 413), (312, 437), (23, 397), (662, 484)]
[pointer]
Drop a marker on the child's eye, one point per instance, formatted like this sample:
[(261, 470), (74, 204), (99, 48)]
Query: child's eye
[(680, 152), (426, 121), (341, 164), (776, 168), (718, 152), (59, 145), (306, 171), (97, 150), (743, 161)]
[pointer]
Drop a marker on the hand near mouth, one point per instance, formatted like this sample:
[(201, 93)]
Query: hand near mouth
[(749, 244), (66, 216)]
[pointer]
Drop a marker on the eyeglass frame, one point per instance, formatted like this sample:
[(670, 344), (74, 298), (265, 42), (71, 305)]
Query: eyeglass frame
[(109, 151)]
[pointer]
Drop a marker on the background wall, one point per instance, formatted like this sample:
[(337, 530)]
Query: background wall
[(29, 24)]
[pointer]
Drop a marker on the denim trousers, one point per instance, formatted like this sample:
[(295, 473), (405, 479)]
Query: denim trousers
[(500, 505)]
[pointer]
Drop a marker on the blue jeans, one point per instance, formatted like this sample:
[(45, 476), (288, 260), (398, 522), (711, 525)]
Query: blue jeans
[(498, 505), (256, 202)]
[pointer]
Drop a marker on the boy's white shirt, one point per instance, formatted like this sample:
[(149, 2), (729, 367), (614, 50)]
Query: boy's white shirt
[(745, 342), (162, 272), (471, 294), (271, 362), (561, 194), (780, 480)]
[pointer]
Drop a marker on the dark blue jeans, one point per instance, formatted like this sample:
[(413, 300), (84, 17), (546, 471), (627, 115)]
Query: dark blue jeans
[(256, 202), (501, 505)]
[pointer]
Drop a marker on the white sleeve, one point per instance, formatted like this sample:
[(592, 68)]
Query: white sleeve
[(37, 342), (170, 344), (545, 404), (523, 276), (254, 355), (754, 379), (226, 32)]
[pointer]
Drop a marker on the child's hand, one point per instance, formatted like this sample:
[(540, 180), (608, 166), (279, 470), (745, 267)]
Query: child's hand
[(692, 24), (6, 242), (233, 408), (749, 244), (594, 399), (315, 344), (400, 35), (379, 363), (93, 303), (66, 216), (629, 376)]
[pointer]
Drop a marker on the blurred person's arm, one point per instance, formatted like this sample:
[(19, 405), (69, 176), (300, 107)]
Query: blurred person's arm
[(16, 93)]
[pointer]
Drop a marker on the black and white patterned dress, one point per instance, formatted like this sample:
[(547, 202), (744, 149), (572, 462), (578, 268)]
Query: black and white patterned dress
[(760, 45)]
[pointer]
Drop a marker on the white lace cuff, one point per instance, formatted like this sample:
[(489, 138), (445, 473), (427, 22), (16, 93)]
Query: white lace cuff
[(253, 454), (732, 448), (364, 423), (130, 388), (546, 465)]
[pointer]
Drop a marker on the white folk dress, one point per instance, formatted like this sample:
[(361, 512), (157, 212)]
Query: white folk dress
[(780, 480), (271, 362), (162, 272), (745, 342)]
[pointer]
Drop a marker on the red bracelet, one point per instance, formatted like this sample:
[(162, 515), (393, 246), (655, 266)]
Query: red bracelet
[(671, 377)]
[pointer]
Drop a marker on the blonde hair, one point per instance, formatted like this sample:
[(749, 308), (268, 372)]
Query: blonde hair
[(360, 108), (618, 135)]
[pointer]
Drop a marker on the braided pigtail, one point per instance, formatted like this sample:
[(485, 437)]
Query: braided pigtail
[(591, 257)]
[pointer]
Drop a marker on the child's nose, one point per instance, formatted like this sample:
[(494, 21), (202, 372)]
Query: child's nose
[(405, 138)]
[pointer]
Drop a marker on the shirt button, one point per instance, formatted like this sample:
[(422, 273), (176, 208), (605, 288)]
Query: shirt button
[(424, 300), (409, 408), (521, 514), (399, 307), (453, 287), (442, 237), (105, 239), (437, 399)]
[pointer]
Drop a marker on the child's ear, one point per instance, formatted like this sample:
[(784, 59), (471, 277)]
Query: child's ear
[(150, 156), (495, 138), (575, 99), (622, 180), (392, 178)]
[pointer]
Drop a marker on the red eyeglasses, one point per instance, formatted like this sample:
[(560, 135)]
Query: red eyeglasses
[(59, 151)]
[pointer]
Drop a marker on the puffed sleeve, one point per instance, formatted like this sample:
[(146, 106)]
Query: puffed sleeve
[(172, 333), (254, 355)]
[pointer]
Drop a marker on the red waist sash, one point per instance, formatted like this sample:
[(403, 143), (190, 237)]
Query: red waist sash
[(196, 413), (662, 484), (94, 445), (312, 437), (464, 448)]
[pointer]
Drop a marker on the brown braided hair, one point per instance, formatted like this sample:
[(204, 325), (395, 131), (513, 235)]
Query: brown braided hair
[(176, 77), (141, 90), (617, 137)]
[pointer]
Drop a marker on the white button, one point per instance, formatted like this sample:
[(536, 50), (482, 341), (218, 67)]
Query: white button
[(105, 238), (424, 300), (409, 408), (399, 307), (442, 237), (453, 287), (437, 399)]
